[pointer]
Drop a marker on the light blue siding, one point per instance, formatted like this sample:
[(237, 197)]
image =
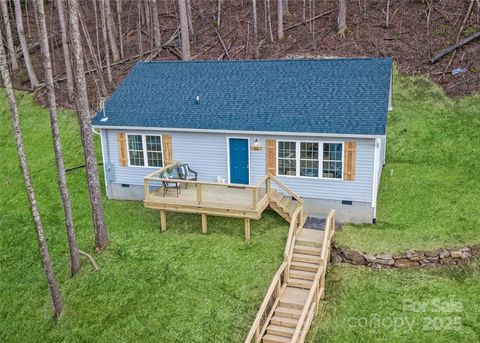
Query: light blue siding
[(207, 154)]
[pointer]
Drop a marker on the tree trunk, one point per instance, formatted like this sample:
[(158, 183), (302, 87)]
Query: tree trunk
[(190, 20), (342, 17), (57, 145), (156, 25), (280, 19), (66, 48), (8, 32), (86, 133), (119, 18), (255, 33), (42, 243), (111, 30), (23, 43), (219, 12), (182, 9), (269, 20), (105, 39)]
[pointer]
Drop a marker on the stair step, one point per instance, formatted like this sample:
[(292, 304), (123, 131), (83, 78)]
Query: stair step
[(280, 330), (301, 274), (288, 312), (308, 267), (291, 207), (284, 202), (306, 284), (310, 237), (305, 258), (293, 298), (284, 321), (269, 338), (307, 249)]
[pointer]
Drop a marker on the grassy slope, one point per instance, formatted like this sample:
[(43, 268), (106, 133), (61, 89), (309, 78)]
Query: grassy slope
[(430, 185), (363, 305), (180, 285)]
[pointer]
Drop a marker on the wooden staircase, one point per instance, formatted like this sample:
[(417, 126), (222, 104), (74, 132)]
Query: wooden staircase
[(293, 297)]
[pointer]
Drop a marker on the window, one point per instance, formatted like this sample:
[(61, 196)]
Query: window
[(309, 159), (332, 160), (287, 160), (145, 150), (154, 151), (135, 150)]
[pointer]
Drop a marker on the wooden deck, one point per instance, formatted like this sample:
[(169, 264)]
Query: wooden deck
[(217, 199)]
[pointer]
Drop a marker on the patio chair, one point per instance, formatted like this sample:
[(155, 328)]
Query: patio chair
[(186, 173), (169, 184)]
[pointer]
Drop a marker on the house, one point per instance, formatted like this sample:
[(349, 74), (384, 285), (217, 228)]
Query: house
[(318, 125)]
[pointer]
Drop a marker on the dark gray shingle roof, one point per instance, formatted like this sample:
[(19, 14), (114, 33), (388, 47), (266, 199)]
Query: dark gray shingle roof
[(335, 96)]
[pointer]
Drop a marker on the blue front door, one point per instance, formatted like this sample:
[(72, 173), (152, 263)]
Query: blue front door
[(238, 148)]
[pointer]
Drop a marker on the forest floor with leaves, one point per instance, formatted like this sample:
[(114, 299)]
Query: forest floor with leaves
[(182, 285), (414, 32)]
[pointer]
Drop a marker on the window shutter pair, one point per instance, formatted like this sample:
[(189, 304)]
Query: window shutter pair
[(166, 149), (349, 157)]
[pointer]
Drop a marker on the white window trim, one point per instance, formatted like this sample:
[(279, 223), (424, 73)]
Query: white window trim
[(144, 149), (320, 160)]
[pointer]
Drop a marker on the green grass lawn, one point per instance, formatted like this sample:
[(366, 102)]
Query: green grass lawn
[(409, 305), (430, 189)]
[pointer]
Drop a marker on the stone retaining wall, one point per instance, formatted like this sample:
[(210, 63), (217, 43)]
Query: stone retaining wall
[(414, 258)]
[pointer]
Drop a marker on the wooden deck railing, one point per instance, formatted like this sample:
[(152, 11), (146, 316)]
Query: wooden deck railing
[(258, 192), (317, 291)]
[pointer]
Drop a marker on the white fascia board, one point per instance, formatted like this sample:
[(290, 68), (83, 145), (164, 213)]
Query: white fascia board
[(266, 133)]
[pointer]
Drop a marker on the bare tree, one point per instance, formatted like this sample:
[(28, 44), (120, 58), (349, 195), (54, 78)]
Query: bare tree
[(255, 33), (66, 48), (22, 158), (119, 18), (269, 19), (57, 144), (111, 29), (86, 133), (23, 43), (8, 32), (280, 19), (182, 9), (156, 25), (219, 12), (189, 17), (342, 17), (103, 19)]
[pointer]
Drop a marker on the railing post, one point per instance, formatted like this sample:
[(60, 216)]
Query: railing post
[(199, 193), (254, 194), (147, 188), (268, 185)]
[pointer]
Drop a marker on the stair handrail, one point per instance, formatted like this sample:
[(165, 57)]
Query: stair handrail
[(275, 285), (310, 304), (286, 189), (291, 239)]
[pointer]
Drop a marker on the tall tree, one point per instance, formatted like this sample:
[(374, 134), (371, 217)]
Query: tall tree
[(119, 18), (8, 32), (342, 17), (103, 18), (86, 133), (57, 144), (189, 17), (280, 19), (23, 43), (156, 25), (22, 158), (66, 48), (111, 30), (184, 35), (255, 32)]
